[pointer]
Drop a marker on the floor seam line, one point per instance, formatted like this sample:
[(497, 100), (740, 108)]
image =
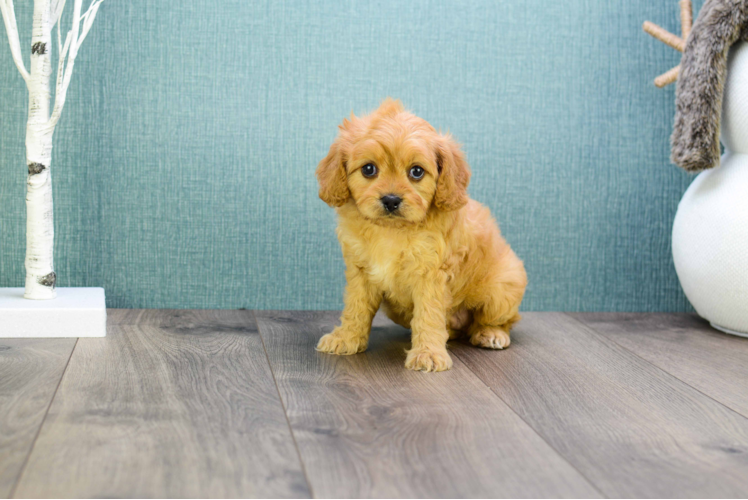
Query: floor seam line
[(283, 406), (657, 367), (560, 455), (12, 493)]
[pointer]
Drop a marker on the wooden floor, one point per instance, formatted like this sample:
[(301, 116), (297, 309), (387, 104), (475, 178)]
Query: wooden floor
[(239, 404)]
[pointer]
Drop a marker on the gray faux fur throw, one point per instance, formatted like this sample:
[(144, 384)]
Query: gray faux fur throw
[(701, 82)]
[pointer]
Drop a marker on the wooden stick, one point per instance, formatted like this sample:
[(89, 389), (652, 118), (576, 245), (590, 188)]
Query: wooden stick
[(666, 79), (664, 36), (686, 18)]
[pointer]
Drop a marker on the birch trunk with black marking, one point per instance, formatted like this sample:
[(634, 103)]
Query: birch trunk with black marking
[(40, 274), (40, 233)]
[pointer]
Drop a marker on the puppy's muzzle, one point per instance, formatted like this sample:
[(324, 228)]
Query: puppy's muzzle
[(391, 202)]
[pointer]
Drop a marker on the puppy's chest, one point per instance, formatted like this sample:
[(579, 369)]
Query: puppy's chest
[(397, 266), (389, 271)]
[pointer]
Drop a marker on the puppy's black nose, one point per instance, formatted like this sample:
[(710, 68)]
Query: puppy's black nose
[(391, 202)]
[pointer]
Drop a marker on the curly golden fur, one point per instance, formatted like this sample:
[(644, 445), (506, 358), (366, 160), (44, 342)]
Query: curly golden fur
[(435, 261)]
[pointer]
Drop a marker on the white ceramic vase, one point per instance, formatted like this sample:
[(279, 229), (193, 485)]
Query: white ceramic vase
[(710, 232)]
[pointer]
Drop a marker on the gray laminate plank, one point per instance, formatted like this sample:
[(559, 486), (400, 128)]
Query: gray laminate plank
[(685, 346), (367, 427), (169, 404), (30, 370), (630, 428)]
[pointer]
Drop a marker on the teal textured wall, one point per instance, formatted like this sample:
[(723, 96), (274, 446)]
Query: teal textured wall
[(184, 161)]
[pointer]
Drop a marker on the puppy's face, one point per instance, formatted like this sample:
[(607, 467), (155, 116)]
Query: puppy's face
[(394, 166)]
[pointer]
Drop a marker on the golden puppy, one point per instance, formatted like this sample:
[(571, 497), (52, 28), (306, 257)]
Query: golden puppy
[(414, 242)]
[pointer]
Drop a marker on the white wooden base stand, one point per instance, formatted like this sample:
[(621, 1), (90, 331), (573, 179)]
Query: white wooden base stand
[(76, 312)]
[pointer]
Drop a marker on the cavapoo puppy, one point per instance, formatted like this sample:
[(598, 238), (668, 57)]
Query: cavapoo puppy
[(414, 242)]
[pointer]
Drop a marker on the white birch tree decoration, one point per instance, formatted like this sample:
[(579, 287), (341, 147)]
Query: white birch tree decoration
[(40, 273)]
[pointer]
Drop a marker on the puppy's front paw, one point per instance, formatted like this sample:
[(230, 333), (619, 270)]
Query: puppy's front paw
[(339, 343), (428, 360), (490, 337)]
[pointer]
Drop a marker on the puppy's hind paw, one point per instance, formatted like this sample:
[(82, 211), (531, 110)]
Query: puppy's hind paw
[(337, 344), (490, 337), (426, 360)]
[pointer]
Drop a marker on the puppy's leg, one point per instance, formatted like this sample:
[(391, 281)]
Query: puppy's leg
[(499, 308), (429, 326), (361, 304)]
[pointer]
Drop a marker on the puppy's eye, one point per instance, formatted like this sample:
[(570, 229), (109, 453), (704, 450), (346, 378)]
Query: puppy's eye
[(416, 172), (369, 170)]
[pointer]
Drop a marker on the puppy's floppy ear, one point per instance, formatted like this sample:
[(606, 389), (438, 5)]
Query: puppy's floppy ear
[(454, 175), (332, 177)]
